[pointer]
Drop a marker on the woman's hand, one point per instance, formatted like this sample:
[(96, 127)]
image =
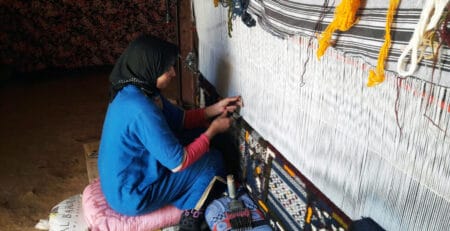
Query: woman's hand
[(219, 125), (229, 105)]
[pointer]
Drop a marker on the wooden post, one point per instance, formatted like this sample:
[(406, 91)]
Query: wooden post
[(187, 39)]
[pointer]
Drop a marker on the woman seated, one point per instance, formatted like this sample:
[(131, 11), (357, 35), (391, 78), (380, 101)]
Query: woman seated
[(145, 160)]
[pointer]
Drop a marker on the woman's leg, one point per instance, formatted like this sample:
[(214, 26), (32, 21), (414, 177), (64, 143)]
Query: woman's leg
[(184, 189)]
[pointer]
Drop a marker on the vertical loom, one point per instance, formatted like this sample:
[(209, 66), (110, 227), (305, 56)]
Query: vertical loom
[(380, 152), (288, 199)]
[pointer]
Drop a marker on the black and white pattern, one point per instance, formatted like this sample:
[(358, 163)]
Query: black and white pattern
[(363, 40)]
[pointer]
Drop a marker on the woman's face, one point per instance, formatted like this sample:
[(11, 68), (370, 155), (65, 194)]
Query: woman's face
[(164, 80)]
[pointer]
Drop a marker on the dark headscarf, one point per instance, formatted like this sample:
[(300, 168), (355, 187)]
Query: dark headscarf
[(143, 61)]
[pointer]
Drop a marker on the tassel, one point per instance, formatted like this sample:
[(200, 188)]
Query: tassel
[(429, 17), (377, 76), (344, 19)]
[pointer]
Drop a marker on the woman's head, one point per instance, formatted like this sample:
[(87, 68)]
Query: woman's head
[(164, 80), (146, 60)]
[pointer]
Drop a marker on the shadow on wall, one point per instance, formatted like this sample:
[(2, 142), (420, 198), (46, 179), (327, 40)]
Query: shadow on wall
[(225, 142), (223, 70)]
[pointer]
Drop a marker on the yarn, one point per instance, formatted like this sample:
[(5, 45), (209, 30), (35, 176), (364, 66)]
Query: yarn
[(230, 17), (443, 31), (344, 19), (317, 27), (377, 76), (429, 17), (429, 40)]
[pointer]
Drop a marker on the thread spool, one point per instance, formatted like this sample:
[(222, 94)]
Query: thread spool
[(231, 188)]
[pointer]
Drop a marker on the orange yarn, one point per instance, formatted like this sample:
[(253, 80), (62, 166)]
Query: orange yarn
[(216, 3), (344, 19), (377, 76)]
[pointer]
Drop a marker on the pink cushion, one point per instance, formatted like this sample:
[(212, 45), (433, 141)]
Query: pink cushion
[(100, 216)]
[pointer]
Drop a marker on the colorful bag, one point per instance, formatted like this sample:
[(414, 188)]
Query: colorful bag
[(215, 214)]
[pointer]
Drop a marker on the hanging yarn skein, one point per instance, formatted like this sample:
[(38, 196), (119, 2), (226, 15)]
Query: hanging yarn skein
[(344, 19), (377, 76), (429, 18)]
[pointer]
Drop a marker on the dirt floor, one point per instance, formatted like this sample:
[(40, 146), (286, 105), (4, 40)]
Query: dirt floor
[(45, 119)]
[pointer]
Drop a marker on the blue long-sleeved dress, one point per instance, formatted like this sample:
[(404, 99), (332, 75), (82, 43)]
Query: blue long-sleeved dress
[(138, 147)]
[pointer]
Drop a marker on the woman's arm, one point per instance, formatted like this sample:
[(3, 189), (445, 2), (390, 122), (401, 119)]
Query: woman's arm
[(229, 104), (200, 146), (195, 118), (199, 117)]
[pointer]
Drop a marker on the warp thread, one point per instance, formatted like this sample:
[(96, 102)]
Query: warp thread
[(344, 19), (325, 10), (396, 106), (430, 16), (377, 76)]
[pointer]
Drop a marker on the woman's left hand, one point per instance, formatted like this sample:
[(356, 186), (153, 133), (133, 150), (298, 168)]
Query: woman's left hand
[(229, 104)]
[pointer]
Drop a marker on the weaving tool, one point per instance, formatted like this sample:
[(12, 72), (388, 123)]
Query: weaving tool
[(238, 215)]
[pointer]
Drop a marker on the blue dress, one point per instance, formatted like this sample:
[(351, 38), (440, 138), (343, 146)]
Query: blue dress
[(139, 146)]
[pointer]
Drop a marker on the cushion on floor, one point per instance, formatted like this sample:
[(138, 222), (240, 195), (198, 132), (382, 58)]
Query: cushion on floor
[(100, 216)]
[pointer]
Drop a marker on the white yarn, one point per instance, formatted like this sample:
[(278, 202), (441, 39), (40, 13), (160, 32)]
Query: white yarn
[(425, 23), (438, 9)]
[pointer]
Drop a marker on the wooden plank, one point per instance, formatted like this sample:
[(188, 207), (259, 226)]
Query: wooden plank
[(187, 37), (91, 156)]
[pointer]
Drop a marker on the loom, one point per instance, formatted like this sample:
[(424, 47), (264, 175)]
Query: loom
[(352, 151), (288, 199)]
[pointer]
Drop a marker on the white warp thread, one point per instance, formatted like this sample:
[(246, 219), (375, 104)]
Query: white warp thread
[(340, 134), (429, 17)]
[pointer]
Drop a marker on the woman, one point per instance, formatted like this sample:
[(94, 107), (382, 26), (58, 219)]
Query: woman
[(142, 164)]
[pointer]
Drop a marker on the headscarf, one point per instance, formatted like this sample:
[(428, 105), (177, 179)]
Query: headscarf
[(143, 61)]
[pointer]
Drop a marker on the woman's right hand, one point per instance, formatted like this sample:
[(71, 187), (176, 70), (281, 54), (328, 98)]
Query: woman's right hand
[(229, 104), (219, 125)]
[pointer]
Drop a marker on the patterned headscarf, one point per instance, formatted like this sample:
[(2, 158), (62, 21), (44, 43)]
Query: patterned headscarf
[(143, 61)]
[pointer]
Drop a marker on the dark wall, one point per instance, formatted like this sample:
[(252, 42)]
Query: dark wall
[(42, 34)]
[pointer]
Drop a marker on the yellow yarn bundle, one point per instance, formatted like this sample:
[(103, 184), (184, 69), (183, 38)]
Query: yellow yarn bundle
[(377, 76), (344, 19)]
